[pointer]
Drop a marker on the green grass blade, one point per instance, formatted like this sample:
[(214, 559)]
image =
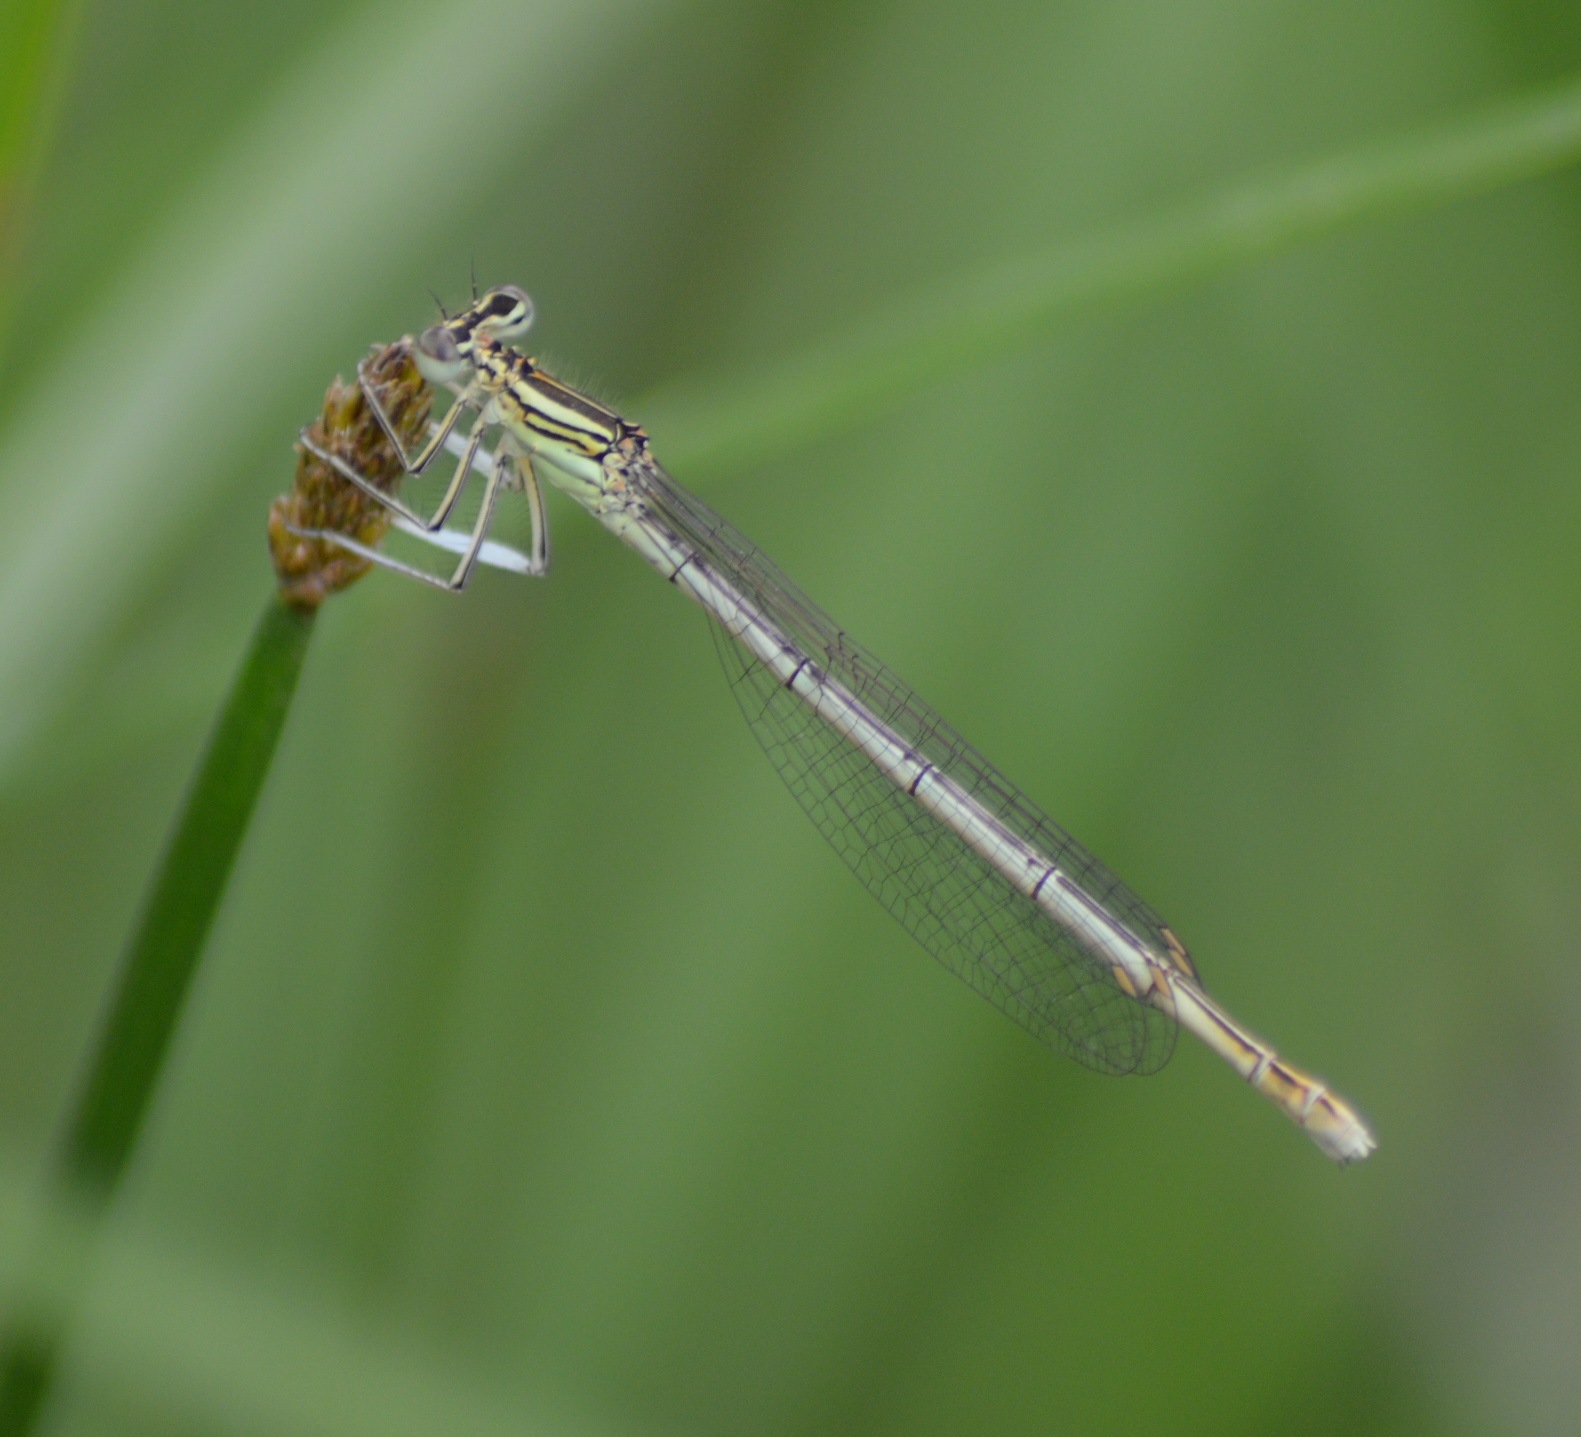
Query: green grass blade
[(164, 949), (190, 881), (710, 427), (161, 958)]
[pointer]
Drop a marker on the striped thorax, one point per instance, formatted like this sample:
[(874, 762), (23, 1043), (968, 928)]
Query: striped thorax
[(540, 417)]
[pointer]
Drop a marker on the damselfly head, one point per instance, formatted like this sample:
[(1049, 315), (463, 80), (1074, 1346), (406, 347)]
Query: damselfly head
[(444, 350)]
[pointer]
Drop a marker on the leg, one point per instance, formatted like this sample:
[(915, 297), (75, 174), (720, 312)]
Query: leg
[(493, 554), (539, 558), (425, 455), (373, 556), (464, 465), (514, 472), (424, 458), (480, 530), (463, 571)]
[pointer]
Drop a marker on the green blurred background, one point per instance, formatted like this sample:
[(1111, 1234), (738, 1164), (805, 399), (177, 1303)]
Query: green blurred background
[(546, 1072)]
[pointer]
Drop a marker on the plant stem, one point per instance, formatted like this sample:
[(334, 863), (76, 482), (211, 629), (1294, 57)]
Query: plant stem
[(157, 969), (164, 950)]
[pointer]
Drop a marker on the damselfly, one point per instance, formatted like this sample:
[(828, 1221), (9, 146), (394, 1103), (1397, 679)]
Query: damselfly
[(998, 892)]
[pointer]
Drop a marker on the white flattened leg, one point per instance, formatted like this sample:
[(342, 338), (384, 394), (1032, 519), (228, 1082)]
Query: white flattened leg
[(470, 546), (373, 556)]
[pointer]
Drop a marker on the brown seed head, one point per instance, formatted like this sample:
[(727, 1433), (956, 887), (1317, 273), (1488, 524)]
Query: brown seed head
[(310, 570)]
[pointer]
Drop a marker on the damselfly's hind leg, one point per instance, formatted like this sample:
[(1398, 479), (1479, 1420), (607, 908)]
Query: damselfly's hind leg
[(474, 545), (516, 473)]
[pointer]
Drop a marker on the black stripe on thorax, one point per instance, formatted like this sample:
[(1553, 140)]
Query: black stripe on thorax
[(510, 367), (592, 442), (563, 395)]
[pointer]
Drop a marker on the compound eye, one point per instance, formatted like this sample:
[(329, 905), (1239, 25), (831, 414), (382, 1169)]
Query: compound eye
[(438, 358), (507, 311)]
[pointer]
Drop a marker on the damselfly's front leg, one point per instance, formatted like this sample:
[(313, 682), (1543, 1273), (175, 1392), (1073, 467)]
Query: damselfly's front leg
[(424, 459), (412, 464)]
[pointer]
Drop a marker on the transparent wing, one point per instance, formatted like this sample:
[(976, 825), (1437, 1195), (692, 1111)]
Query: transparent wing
[(960, 908)]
